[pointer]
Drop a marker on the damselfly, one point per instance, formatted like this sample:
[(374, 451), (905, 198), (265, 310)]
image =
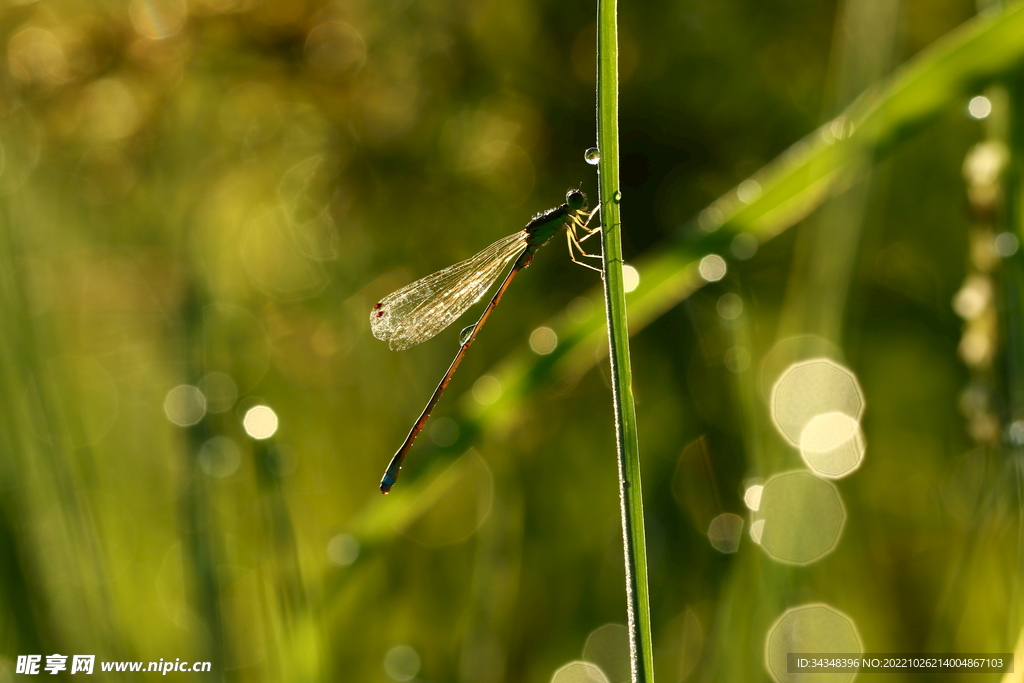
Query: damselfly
[(419, 311)]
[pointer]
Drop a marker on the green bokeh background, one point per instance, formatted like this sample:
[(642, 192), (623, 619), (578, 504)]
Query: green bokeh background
[(227, 186)]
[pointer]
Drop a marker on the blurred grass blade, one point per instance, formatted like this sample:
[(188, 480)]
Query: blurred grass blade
[(881, 118)]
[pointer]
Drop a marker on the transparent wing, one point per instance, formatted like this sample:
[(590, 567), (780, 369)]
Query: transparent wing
[(417, 312)]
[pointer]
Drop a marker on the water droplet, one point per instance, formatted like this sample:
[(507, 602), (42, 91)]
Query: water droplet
[(486, 390), (979, 107), (710, 219), (743, 246), (748, 191), (630, 278), (401, 663), (466, 333), (617, 197), (343, 550), (712, 268), (725, 531), (543, 341), (1016, 433), (260, 422), (1006, 244), (185, 405), (592, 156)]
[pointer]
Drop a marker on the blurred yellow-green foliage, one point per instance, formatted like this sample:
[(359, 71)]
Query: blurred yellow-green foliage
[(200, 200)]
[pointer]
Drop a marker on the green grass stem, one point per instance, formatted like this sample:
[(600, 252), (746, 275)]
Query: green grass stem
[(627, 442)]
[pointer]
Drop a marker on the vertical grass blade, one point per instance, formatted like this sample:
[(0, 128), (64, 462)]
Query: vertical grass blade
[(630, 491)]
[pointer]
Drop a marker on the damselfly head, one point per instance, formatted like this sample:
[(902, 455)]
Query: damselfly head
[(576, 200)]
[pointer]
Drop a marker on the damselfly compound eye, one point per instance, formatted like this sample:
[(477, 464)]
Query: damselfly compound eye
[(575, 199)]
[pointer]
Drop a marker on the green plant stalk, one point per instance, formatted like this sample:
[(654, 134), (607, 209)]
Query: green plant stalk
[(638, 603)]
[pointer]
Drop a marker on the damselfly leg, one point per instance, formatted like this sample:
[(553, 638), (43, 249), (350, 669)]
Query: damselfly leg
[(573, 240)]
